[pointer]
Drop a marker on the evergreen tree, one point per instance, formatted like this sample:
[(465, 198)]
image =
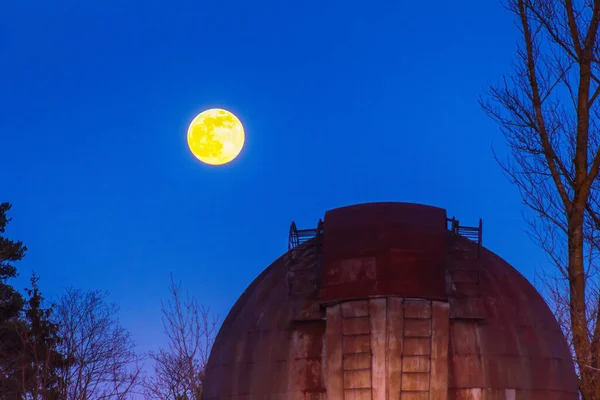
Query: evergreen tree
[(11, 301), (11, 305), (38, 360), (29, 361)]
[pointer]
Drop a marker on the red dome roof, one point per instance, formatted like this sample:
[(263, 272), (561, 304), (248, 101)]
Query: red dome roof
[(386, 301)]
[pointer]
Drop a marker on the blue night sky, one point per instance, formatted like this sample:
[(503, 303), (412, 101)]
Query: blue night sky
[(342, 101)]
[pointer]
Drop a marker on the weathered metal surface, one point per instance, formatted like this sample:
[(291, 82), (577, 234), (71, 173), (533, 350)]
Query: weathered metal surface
[(467, 308), (416, 346), (440, 320), (356, 326), (507, 394), (357, 379), (357, 394), (357, 361), (415, 396), (384, 249), (378, 318), (415, 381), (417, 309), (395, 327), (303, 270), (514, 343), (354, 309), (334, 354), (416, 364), (486, 339), (417, 327), (356, 344)]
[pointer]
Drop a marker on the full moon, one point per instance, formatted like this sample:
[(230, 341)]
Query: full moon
[(215, 136)]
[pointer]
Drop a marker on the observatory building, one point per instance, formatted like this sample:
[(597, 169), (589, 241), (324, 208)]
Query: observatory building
[(389, 301)]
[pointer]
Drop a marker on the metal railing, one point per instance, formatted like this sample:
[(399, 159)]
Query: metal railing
[(298, 237), (473, 233)]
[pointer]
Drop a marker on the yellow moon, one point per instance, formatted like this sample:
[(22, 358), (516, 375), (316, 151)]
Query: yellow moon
[(216, 136)]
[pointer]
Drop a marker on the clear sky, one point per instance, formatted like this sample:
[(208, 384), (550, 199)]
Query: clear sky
[(343, 102)]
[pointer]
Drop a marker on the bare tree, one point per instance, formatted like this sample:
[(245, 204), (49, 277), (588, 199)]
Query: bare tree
[(179, 369), (549, 115), (102, 362)]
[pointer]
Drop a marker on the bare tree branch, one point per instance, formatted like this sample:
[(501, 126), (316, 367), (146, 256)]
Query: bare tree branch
[(103, 363), (179, 369)]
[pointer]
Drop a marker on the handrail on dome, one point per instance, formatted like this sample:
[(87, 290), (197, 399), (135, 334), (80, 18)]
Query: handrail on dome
[(473, 233), (298, 237)]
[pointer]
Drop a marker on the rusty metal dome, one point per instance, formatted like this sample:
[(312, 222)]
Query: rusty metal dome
[(389, 301)]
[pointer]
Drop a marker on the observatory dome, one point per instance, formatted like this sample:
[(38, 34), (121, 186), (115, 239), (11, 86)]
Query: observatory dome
[(389, 301)]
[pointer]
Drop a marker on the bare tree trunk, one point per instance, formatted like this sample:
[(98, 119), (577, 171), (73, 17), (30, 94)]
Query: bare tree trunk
[(549, 116)]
